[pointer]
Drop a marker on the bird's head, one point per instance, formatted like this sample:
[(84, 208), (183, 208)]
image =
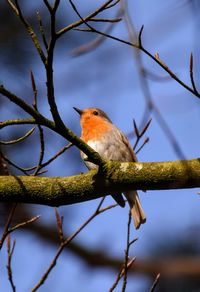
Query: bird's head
[(92, 115)]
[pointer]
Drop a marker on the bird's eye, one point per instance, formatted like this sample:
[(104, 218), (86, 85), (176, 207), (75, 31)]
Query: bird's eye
[(95, 113)]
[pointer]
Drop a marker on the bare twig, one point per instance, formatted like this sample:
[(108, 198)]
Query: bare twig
[(59, 225), (112, 4), (7, 225), (146, 140), (16, 8), (140, 134), (8, 229), (155, 283), (35, 91), (10, 252), (96, 42), (110, 20), (60, 152), (151, 106), (127, 263), (29, 133), (92, 44), (140, 46), (121, 274), (59, 127), (42, 32), (103, 7), (23, 170), (126, 258), (94, 30), (68, 240), (23, 224), (192, 75), (49, 7), (7, 123), (42, 148)]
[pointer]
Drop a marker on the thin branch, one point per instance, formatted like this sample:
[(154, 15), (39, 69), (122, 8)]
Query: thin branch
[(49, 7), (23, 170), (96, 42), (29, 133), (59, 128), (126, 258), (139, 45), (10, 252), (146, 140), (35, 91), (13, 7), (42, 31), (87, 18), (66, 242), (59, 225), (192, 75), (55, 5), (7, 225), (85, 48), (140, 134), (155, 283), (42, 149), (94, 30), (40, 119), (157, 59), (23, 224), (60, 152), (16, 8), (151, 106), (127, 263), (17, 122), (121, 274), (112, 4), (110, 20), (8, 229)]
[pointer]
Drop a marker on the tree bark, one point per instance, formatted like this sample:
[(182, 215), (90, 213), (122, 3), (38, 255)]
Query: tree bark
[(115, 176)]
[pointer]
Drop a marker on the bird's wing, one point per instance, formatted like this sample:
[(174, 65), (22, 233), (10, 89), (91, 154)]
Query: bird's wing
[(128, 145)]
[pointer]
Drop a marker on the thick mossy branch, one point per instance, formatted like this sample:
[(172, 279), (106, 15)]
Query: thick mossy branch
[(116, 176)]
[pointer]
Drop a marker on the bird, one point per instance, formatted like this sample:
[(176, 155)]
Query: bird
[(104, 137)]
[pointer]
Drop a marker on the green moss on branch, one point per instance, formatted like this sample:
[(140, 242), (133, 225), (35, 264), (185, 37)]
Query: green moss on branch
[(56, 191)]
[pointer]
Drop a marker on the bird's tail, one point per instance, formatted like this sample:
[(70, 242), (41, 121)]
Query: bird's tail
[(137, 212)]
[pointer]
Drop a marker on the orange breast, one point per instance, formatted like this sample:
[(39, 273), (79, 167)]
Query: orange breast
[(93, 129)]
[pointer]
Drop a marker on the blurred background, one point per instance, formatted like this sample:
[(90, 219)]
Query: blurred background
[(119, 80)]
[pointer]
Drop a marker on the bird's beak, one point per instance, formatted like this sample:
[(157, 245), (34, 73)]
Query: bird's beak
[(78, 110)]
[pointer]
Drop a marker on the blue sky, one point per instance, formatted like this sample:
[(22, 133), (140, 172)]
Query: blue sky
[(107, 78)]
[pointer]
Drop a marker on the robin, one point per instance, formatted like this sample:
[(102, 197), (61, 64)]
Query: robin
[(105, 138)]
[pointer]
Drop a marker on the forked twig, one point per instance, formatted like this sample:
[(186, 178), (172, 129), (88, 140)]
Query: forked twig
[(60, 152), (140, 134), (7, 225), (8, 230), (139, 46), (121, 274), (63, 244), (85, 48), (127, 263)]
